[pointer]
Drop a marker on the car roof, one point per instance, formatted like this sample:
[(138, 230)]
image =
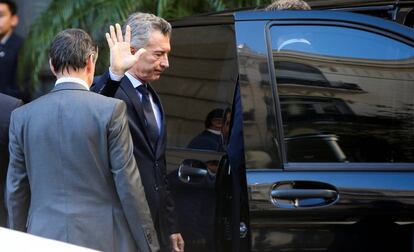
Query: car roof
[(334, 4), (326, 5), (240, 15)]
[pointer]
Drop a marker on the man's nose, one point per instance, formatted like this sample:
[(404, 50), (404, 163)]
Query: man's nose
[(164, 61)]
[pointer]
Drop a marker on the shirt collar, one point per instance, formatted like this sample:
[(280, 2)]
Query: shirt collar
[(73, 80), (135, 82), (6, 37), (216, 132)]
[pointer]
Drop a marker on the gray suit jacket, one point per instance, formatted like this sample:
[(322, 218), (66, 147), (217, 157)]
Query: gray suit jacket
[(72, 174)]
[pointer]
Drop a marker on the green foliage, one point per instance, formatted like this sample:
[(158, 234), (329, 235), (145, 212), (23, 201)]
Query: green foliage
[(95, 16)]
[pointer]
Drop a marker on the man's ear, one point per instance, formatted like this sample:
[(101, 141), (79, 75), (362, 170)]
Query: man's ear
[(52, 68), (14, 21), (90, 63)]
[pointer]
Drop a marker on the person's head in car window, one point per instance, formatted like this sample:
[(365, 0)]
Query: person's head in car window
[(288, 5), (212, 136)]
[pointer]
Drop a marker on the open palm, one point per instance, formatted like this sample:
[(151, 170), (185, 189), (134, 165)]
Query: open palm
[(121, 57)]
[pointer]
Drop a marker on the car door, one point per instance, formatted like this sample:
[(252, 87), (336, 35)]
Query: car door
[(328, 131), (196, 92)]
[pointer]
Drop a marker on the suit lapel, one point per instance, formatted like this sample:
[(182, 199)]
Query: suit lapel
[(132, 95)]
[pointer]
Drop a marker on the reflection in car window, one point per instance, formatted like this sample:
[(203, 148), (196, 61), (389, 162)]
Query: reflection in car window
[(201, 78), (196, 92), (336, 41), (346, 96)]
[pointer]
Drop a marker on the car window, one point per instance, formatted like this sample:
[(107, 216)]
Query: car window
[(197, 89), (197, 93), (346, 95)]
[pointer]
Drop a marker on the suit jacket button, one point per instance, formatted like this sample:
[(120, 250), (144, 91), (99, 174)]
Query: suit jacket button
[(149, 238), (156, 188)]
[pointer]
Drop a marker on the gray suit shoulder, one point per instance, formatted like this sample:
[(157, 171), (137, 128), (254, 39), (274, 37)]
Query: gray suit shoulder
[(9, 103)]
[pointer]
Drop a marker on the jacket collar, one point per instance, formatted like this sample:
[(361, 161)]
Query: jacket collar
[(69, 86)]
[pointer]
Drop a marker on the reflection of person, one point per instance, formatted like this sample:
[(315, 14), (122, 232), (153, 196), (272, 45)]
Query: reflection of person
[(7, 105), (288, 5), (147, 37), (10, 44), (72, 174), (212, 137), (294, 41)]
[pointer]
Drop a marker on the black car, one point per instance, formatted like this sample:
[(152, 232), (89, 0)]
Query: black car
[(317, 127)]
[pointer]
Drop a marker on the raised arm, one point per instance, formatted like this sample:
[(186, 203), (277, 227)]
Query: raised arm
[(122, 58)]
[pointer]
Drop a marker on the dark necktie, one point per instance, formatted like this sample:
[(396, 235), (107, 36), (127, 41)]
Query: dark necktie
[(150, 122)]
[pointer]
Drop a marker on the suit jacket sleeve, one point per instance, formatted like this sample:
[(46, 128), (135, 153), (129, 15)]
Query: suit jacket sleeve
[(170, 209), (128, 181), (104, 85), (17, 185)]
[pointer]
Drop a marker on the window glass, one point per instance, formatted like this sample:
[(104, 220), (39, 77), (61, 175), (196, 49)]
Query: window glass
[(197, 89), (346, 95), (197, 93)]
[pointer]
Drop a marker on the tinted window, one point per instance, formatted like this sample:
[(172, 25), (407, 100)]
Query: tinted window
[(196, 92), (346, 95), (197, 89)]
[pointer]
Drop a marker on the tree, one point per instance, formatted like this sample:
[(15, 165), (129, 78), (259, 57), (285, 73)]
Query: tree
[(95, 16)]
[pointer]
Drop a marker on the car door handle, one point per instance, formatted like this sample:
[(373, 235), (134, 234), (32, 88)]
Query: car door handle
[(293, 194)]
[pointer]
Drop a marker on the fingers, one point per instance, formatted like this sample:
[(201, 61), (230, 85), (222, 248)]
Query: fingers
[(175, 247), (109, 40), (175, 240), (181, 243), (115, 34), (177, 243), (139, 53), (112, 33), (119, 33), (128, 34)]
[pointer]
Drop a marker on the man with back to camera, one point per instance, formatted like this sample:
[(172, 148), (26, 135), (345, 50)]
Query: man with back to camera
[(150, 38), (7, 105), (10, 44), (72, 175)]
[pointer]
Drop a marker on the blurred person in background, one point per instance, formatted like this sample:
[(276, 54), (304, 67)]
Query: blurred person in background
[(10, 44)]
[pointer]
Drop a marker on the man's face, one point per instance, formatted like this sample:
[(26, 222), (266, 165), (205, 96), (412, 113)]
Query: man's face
[(7, 20), (216, 123), (155, 60)]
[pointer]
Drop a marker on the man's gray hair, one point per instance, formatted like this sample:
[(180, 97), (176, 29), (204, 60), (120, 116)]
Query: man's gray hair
[(70, 50), (142, 25), (288, 5)]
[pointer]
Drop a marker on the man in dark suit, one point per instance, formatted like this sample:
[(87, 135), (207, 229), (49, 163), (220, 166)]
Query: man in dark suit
[(72, 175), (212, 136), (7, 105), (135, 62), (10, 44)]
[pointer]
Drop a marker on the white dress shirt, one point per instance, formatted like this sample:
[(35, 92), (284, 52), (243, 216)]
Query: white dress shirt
[(73, 80), (135, 83)]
